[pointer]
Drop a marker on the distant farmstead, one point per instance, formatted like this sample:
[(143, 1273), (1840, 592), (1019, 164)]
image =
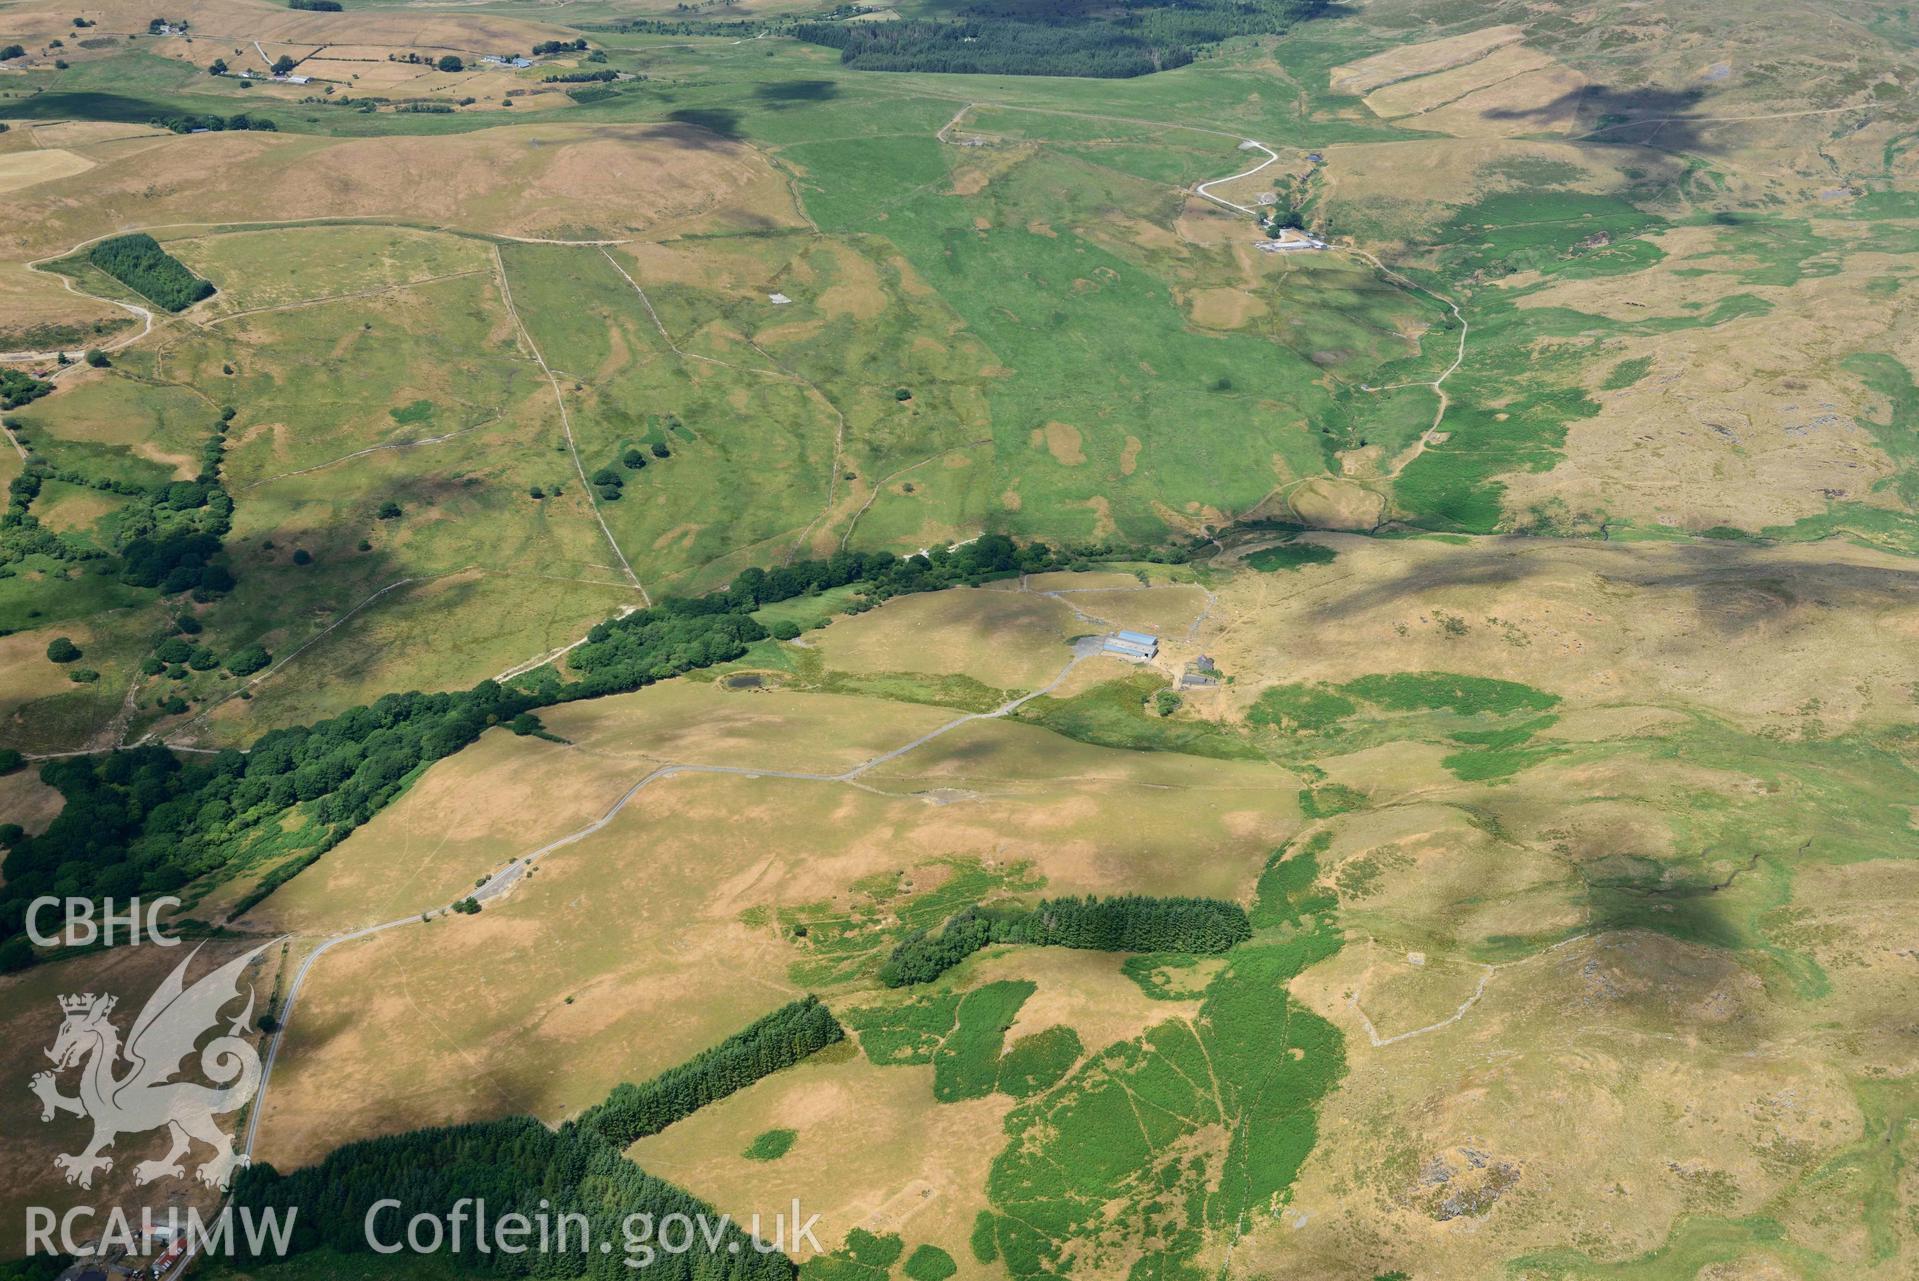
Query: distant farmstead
[(1134, 647), (1289, 240)]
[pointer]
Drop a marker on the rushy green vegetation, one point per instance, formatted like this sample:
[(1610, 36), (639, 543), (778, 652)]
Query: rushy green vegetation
[(849, 938), (771, 1145), (967, 1063), (1036, 1063), (1290, 556), (866, 1256), (1097, 1168), (930, 1263), (1626, 373), (963, 1035), (1296, 709), (1329, 799), (908, 1031), (1468, 695), (1122, 713)]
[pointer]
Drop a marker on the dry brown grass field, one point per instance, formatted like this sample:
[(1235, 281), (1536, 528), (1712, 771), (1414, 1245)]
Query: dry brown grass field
[(1624, 624), (1005, 640), (538, 180), (918, 1174), (214, 23), (1481, 955), (28, 801)]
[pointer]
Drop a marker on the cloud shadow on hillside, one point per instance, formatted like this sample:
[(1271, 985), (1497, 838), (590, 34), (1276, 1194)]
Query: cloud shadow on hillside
[(787, 93), (701, 125), (1601, 114), (1732, 587)]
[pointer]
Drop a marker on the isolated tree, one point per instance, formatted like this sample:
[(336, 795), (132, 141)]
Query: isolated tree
[(302, 556), (247, 661), (450, 62), (97, 358), (660, 450), (634, 459), (284, 64), (218, 67), (390, 510), (784, 629), (61, 649)]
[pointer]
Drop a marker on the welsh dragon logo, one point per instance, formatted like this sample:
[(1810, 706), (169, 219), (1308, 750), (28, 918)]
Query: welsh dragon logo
[(130, 1088)]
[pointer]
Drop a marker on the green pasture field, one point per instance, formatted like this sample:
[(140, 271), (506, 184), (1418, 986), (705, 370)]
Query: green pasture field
[(859, 327), (424, 401), (626, 390), (806, 611), (496, 621), (1057, 287), (1076, 323), (267, 268), (139, 423), (446, 343)]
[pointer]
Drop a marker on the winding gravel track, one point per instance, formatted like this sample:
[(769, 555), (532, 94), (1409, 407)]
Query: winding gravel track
[(1204, 189)]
